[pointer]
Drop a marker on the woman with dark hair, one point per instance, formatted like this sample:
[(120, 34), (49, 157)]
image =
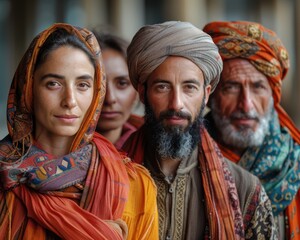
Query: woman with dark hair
[(59, 178), (117, 121)]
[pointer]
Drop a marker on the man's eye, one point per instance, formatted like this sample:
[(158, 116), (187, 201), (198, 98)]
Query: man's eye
[(162, 87), (259, 86), (190, 87), (231, 88)]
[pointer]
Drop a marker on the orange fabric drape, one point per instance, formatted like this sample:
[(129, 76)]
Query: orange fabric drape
[(95, 214), (108, 187), (293, 231)]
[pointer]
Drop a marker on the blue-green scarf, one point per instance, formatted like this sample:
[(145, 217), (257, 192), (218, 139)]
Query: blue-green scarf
[(277, 164)]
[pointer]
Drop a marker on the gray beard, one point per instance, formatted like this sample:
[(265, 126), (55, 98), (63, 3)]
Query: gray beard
[(173, 142), (243, 137)]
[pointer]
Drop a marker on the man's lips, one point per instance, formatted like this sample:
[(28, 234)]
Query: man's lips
[(245, 121), (175, 120)]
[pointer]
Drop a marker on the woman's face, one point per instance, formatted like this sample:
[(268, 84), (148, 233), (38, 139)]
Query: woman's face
[(120, 94), (62, 93)]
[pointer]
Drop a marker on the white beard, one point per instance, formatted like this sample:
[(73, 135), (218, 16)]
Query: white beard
[(242, 137)]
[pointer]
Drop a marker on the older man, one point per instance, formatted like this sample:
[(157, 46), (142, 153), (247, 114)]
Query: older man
[(174, 66), (246, 119)]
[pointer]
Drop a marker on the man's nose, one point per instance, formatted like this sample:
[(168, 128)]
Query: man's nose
[(176, 101), (246, 101)]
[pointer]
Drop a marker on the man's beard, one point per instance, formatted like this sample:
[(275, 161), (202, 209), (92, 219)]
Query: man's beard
[(243, 137), (174, 142)]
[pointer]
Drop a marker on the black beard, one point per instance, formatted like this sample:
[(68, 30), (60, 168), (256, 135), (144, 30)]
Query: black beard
[(173, 142)]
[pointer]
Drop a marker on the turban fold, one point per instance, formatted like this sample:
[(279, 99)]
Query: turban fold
[(262, 47), (152, 44)]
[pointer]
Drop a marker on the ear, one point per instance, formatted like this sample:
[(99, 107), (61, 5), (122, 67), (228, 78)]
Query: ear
[(207, 90), (141, 91)]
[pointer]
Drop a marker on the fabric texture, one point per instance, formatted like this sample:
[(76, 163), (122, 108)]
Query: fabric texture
[(276, 162), (225, 219), (172, 39), (263, 48), (81, 195)]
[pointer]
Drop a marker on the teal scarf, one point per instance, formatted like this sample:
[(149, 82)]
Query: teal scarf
[(277, 164)]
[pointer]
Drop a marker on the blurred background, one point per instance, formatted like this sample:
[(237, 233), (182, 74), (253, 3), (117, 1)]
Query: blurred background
[(21, 20)]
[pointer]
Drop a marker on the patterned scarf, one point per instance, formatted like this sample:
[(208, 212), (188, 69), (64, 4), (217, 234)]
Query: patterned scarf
[(276, 164), (44, 196), (263, 48), (220, 192)]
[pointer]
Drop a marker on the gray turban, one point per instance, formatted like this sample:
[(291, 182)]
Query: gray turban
[(152, 44)]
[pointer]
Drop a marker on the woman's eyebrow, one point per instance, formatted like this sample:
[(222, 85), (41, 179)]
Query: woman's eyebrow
[(52, 75)]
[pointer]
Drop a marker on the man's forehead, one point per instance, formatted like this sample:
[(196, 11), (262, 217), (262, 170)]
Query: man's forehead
[(175, 66), (241, 68)]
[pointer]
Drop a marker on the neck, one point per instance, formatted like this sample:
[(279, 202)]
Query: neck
[(59, 146), (112, 135), (169, 166), (237, 151)]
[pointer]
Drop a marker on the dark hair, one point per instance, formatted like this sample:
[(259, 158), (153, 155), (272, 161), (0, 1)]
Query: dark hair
[(59, 38), (110, 41)]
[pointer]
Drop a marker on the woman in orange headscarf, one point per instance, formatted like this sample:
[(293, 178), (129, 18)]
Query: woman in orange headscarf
[(60, 179)]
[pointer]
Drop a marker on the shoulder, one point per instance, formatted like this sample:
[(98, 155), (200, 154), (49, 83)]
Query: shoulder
[(135, 120), (140, 176), (247, 184), (254, 202), (142, 191), (140, 211), (241, 176)]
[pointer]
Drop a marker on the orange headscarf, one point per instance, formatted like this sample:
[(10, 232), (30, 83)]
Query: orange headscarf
[(263, 48), (19, 105), (31, 213)]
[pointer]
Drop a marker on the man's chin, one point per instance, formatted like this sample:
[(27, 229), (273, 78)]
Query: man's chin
[(175, 128)]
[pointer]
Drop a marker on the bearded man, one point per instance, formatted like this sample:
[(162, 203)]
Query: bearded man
[(246, 118), (174, 66)]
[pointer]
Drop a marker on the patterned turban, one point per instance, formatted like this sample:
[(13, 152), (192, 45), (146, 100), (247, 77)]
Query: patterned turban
[(259, 45), (152, 44), (263, 48)]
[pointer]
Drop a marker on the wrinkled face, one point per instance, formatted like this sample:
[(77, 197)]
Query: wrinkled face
[(176, 86), (62, 92), (120, 94), (242, 103)]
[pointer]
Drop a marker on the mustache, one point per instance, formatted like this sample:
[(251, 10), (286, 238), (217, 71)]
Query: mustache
[(172, 113), (250, 115)]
